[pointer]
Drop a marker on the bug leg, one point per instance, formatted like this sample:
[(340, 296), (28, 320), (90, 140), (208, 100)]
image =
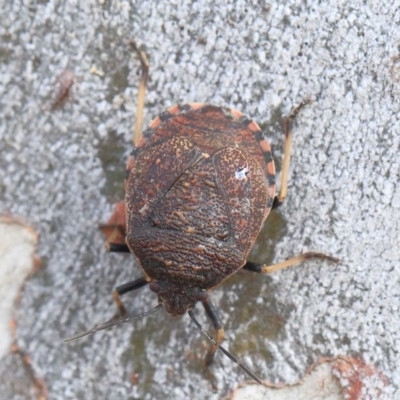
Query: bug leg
[(115, 234), (116, 319), (212, 313), (226, 352), (125, 288), (287, 128), (117, 247), (266, 269), (142, 89)]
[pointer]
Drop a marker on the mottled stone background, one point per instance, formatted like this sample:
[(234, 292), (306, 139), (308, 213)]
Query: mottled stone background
[(62, 169)]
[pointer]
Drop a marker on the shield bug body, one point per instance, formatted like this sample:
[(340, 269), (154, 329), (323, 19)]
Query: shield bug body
[(199, 186), (197, 193)]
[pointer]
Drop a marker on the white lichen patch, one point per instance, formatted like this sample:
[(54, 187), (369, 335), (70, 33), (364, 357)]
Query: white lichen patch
[(320, 384), (17, 248), (340, 378)]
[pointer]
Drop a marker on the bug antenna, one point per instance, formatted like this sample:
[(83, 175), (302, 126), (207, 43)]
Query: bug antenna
[(111, 323), (226, 352)]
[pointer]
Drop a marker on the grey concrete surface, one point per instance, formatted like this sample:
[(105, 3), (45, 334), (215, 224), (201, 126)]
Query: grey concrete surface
[(61, 170)]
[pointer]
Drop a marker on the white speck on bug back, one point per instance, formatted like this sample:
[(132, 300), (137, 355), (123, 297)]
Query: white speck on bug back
[(241, 173), (63, 170)]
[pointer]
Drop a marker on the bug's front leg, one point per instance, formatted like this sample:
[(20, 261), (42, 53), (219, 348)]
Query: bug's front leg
[(142, 90), (212, 313), (287, 128), (266, 269), (125, 288)]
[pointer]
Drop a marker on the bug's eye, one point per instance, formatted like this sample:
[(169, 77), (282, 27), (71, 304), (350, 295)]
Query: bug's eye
[(154, 287), (201, 296)]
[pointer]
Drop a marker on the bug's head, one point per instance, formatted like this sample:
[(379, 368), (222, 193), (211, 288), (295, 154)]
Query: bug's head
[(177, 300)]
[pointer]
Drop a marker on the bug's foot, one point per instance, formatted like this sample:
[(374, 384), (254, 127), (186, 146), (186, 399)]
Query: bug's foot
[(209, 375), (121, 310)]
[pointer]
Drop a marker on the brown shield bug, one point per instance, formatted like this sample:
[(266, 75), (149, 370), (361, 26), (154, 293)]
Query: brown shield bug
[(199, 185)]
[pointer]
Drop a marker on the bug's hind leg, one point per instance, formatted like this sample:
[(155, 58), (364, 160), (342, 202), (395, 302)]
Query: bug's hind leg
[(117, 247), (115, 234), (142, 90), (212, 313), (266, 269), (115, 229), (287, 128)]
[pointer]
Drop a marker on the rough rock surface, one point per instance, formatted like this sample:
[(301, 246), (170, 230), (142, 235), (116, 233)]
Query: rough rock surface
[(62, 161)]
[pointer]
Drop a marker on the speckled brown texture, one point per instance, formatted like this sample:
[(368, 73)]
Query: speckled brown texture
[(197, 195)]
